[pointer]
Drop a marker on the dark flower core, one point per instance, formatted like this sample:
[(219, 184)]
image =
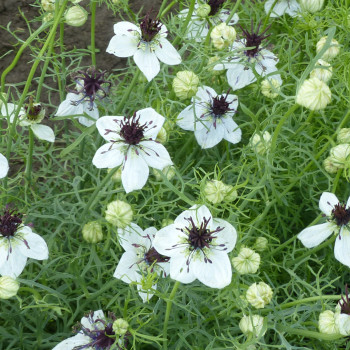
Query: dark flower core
[(9, 223), (345, 302), (220, 106), (254, 40), (215, 6), (341, 214), (152, 256), (91, 83), (149, 28), (131, 130), (101, 339), (32, 111)]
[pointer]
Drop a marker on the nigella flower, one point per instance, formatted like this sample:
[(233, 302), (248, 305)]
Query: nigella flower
[(291, 7), (4, 166), (146, 43), (342, 314), (132, 143), (17, 243), (338, 222), (95, 331), (198, 27), (198, 245), (81, 101), (210, 117), (139, 259), (248, 53)]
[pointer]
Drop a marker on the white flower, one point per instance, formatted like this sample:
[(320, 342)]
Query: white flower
[(4, 166), (31, 116), (95, 331), (17, 243), (198, 27), (246, 54), (291, 7), (132, 143), (139, 259), (210, 117), (146, 43), (198, 245), (338, 218)]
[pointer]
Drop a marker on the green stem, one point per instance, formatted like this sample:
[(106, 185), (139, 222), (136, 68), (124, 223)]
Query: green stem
[(167, 9), (169, 304), (93, 21), (161, 8), (28, 171), (187, 21), (308, 334), (128, 91), (63, 63), (268, 15), (238, 2)]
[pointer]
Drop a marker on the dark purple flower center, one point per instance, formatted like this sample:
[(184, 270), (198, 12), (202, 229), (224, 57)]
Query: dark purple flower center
[(92, 85), (254, 40), (345, 302), (215, 6), (132, 131), (149, 28), (341, 214), (32, 111), (220, 105), (9, 223), (152, 256)]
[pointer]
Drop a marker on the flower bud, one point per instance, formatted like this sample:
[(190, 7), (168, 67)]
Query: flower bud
[(252, 325), (185, 84), (48, 5), (168, 171), (231, 193), (92, 232), (259, 295), (323, 73), (119, 213), (162, 136), (311, 6), (339, 155), (331, 52), (261, 144), (247, 261), (223, 36), (48, 17), (344, 135), (214, 191), (117, 176), (261, 244), (270, 87), (211, 63), (8, 287), (167, 222), (203, 10), (76, 16), (326, 323), (120, 327), (329, 166), (314, 94)]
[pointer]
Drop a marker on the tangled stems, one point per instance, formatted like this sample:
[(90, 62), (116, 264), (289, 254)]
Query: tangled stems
[(309, 334), (269, 14), (187, 21), (169, 304), (128, 91)]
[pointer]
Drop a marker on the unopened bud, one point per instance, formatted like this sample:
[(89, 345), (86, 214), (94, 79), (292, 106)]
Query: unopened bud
[(261, 244), (326, 323), (168, 171), (223, 36), (203, 10), (92, 232), (344, 135), (259, 295), (311, 6), (322, 71), (261, 144), (8, 287), (185, 84), (76, 16), (247, 261), (339, 155), (252, 325), (119, 213), (48, 5), (329, 166), (162, 136), (331, 52), (120, 327), (270, 87)]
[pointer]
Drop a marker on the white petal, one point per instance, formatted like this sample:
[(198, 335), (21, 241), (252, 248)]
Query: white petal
[(145, 295), (293, 8), (123, 46), (109, 155), (153, 120), (239, 77), (131, 235), (167, 239), (155, 154), (314, 235), (92, 113), (179, 270), (186, 118), (344, 324), (342, 247), (4, 166), (147, 62), (348, 203), (232, 133), (279, 9), (135, 172), (227, 236), (127, 267), (167, 53), (327, 203), (88, 321), (37, 246), (125, 28), (109, 123), (210, 135), (204, 93), (214, 274), (43, 132), (197, 213), (14, 264), (68, 344), (67, 108)]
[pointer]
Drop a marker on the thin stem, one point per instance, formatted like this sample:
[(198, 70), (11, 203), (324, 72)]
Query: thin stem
[(309, 334), (128, 91), (161, 8), (28, 171), (187, 21), (238, 2), (268, 15), (168, 8), (93, 21), (169, 304)]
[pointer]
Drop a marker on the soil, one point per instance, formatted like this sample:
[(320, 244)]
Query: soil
[(12, 13)]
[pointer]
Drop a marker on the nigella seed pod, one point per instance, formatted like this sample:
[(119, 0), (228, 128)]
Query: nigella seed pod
[(327, 323), (322, 71), (331, 52), (311, 5), (223, 36), (76, 16), (92, 232), (119, 213), (8, 287), (252, 325), (259, 295), (247, 261), (185, 84), (344, 135)]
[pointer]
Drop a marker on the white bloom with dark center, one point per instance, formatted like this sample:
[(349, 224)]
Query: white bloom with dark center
[(291, 7), (198, 27), (147, 44), (17, 244), (247, 54), (338, 219), (198, 245), (140, 258), (210, 117), (132, 144), (95, 331)]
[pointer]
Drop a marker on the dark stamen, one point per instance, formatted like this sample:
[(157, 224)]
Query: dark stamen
[(341, 214), (149, 28), (345, 302), (215, 6), (131, 130), (9, 223), (219, 105), (152, 256)]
